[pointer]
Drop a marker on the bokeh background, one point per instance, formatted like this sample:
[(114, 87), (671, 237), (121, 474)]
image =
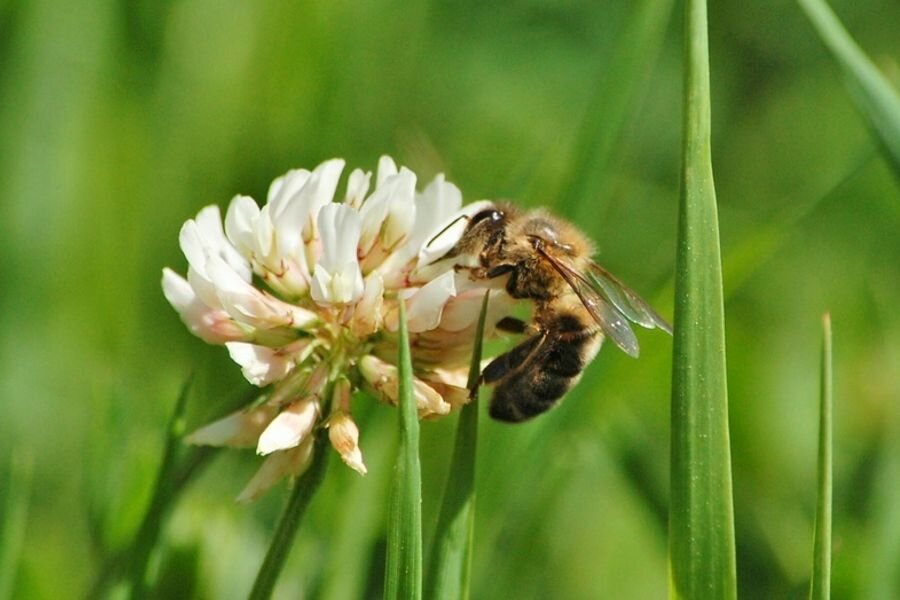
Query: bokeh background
[(121, 119)]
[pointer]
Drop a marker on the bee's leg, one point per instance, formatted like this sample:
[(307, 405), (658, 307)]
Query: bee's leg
[(513, 360), (499, 270), (511, 325)]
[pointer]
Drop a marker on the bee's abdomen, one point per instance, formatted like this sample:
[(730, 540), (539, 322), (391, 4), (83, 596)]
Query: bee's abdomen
[(551, 369)]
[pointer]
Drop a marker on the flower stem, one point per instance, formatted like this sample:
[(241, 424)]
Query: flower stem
[(303, 491)]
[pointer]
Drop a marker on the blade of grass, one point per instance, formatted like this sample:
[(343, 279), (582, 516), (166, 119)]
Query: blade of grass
[(624, 78), (871, 92), (14, 517), (403, 574), (172, 479), (701, 522), (451, 555), (304, 489), (820, 584), (148, 533)]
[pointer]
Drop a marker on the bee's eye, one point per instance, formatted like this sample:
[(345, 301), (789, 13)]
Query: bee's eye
[(491, 213)]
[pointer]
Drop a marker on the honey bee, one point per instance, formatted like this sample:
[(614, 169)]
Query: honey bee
[(538, 257)]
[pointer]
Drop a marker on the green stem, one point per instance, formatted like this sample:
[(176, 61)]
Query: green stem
[(304, 489)]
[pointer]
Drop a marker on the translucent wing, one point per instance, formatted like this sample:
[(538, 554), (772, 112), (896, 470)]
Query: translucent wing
[(612, 322), (626, 300)]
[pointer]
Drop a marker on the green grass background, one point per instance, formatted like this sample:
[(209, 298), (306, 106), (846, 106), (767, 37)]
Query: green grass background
[(119, 120)]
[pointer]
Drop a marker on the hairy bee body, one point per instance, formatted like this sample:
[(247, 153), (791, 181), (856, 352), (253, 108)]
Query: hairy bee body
[(538, 257)]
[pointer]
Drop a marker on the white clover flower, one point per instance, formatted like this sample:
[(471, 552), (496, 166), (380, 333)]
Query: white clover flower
[(304, 293)]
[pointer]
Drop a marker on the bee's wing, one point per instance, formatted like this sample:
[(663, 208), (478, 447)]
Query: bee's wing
[(626, 300), (612, 322)]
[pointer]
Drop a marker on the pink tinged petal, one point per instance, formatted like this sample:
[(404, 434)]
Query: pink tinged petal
[(344, 436), (240, 429), (425, 306), (368, 314), (337, 278), (357, 188), (259, 364), (277, 466), (455, 395), (248, 305), (441, 240), (383, 378), (211, 325), (462, 311), (290, 427)]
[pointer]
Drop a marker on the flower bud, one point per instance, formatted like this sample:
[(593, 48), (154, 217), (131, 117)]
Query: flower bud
[(344, 436)]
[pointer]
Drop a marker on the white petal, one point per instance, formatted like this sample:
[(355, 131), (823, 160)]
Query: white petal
[(389, 212), (276, 467), (240, 224), (289, 428), (386, 168), (367, 314), (294, 218), (425, 306), (357, 187), (259, 364), (209, 227), (284, 188), (337, 278), (240, 429)]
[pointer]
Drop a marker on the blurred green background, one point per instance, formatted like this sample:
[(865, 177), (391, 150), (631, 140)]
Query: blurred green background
[(119, 120)]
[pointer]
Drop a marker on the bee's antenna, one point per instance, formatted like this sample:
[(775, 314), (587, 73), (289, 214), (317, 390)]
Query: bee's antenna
[(444, 230)]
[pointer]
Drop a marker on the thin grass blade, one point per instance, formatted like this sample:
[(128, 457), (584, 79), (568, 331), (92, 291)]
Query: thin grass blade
[(451, 556), (701, 522), (403, 575), (872, 93), (820, 584), (623, 81)]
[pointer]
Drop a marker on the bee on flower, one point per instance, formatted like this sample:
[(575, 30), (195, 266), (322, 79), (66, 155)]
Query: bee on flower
[(304, 291)]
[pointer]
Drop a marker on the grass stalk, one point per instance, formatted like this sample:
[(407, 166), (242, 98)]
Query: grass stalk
[(403, 574), (820, 583), (701, 522), (451, 556)]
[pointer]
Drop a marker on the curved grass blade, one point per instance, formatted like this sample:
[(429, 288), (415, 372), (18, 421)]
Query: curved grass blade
[(304, 489), (175, 473), (701, 522), (403, 574), (871, 92), (163, 493), (820, 584), (451, 556), (623, 81)]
